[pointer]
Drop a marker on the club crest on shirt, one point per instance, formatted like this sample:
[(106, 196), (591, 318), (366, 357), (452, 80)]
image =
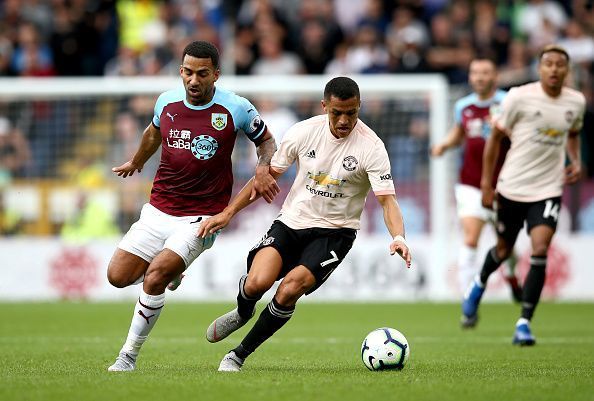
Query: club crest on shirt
[(350, 163), (218, 120), (569, 116)]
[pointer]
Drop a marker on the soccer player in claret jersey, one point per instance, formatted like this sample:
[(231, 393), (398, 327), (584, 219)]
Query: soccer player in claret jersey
[(472, 115), (543, 120), (339, 159), (196, 125)]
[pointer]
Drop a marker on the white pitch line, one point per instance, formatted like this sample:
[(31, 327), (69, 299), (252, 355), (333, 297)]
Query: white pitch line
[(294, 340)]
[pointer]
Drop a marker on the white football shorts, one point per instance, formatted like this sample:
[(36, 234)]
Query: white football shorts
[(156, 230), (469, 203)]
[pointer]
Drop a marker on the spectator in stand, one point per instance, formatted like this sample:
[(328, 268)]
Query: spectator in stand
[(449, 54), (578, 44), (31, 57), (15, 154), (274, 60)]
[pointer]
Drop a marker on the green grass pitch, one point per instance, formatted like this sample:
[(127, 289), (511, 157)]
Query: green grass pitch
[(60, 351)]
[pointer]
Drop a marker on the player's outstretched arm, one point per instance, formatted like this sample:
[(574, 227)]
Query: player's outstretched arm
[(453, 139), (151, 139), (490, 155), (395, 225), (574, 170), (241, 201), (264, 183)]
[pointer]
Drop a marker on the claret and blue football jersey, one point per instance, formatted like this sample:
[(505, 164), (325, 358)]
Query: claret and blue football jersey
[(195, 173)]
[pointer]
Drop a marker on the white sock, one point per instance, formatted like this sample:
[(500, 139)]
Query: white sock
[(139, 280), (521, 321), (146, 312), (467, 268)]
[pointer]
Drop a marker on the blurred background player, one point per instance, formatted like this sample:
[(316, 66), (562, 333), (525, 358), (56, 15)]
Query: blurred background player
[(319, 219), (543, 120), (472, 116), (196, 126)]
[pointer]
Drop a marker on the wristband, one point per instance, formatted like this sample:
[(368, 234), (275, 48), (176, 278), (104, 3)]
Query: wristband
[(400, 238)]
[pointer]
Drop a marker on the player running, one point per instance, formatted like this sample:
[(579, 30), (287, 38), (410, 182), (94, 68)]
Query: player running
[(339, 159), (543, 120), (472, 116), (196, 126)]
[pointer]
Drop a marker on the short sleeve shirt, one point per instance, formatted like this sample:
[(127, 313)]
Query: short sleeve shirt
[(195, 174), (334, 175), (538, 126)]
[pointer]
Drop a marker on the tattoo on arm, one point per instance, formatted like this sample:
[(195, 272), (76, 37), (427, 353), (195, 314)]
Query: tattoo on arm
[(265, 151)]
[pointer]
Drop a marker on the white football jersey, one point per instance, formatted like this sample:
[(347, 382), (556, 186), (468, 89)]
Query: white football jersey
[(334, 175), (538, 126)]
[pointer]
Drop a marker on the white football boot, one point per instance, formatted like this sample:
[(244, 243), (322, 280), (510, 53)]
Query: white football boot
[(231, 363), (123, 363)]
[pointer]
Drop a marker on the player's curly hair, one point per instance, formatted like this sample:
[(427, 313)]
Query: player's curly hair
[(202, 49), (341, 87)]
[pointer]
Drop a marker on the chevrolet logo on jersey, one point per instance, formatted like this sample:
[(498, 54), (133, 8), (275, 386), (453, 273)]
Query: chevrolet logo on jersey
[(550, 132), (325, 180)]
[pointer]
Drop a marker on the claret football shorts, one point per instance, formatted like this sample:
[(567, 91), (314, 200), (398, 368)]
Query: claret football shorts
[(156, 230)]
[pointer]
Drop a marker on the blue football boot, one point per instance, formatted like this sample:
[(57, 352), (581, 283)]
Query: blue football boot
[(470, 304), (523, 335)]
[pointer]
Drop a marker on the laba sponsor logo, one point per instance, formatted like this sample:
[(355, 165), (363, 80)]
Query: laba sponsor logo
[(178, 144)]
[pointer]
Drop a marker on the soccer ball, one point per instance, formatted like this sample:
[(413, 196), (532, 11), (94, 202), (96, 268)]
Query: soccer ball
[(385, 348)]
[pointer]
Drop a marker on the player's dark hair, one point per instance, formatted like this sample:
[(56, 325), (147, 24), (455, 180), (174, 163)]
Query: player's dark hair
[(553, 48), (202, 49), (341, 87), (485, 58)]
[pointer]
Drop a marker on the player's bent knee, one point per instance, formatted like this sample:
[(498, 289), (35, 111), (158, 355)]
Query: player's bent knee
[(116, 279), (256, 286), (292, 288)]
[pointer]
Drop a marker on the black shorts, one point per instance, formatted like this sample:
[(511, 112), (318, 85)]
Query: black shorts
[(511, 216), (319, 249)]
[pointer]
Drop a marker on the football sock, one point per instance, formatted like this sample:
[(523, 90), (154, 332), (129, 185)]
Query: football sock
[(490, 264), (146, 312), (272, 318), (466, 266), (245, 304), (533, 285)]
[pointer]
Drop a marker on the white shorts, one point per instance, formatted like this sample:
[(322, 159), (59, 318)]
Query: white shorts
[(469, 203), (156, 230)]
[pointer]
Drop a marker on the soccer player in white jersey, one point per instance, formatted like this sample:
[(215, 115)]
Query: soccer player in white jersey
[(196, 126), (339, 159), (472, 115), (543, 120)]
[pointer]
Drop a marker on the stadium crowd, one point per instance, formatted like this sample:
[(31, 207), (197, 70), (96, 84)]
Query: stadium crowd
[(338, 37)]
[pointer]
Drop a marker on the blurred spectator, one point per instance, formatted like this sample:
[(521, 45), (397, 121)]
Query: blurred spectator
[(541, 22), (449, 54), (368, 53), (491, 37), (339, 65), (348, 13), (5, 54), (374, 15), (517, 70), (31, 57), (14, 152), (578, 44), (278, 117), (11, 222), (273, 60)]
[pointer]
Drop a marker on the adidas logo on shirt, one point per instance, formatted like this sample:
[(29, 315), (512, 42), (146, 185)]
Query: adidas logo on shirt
[(311, 154)]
